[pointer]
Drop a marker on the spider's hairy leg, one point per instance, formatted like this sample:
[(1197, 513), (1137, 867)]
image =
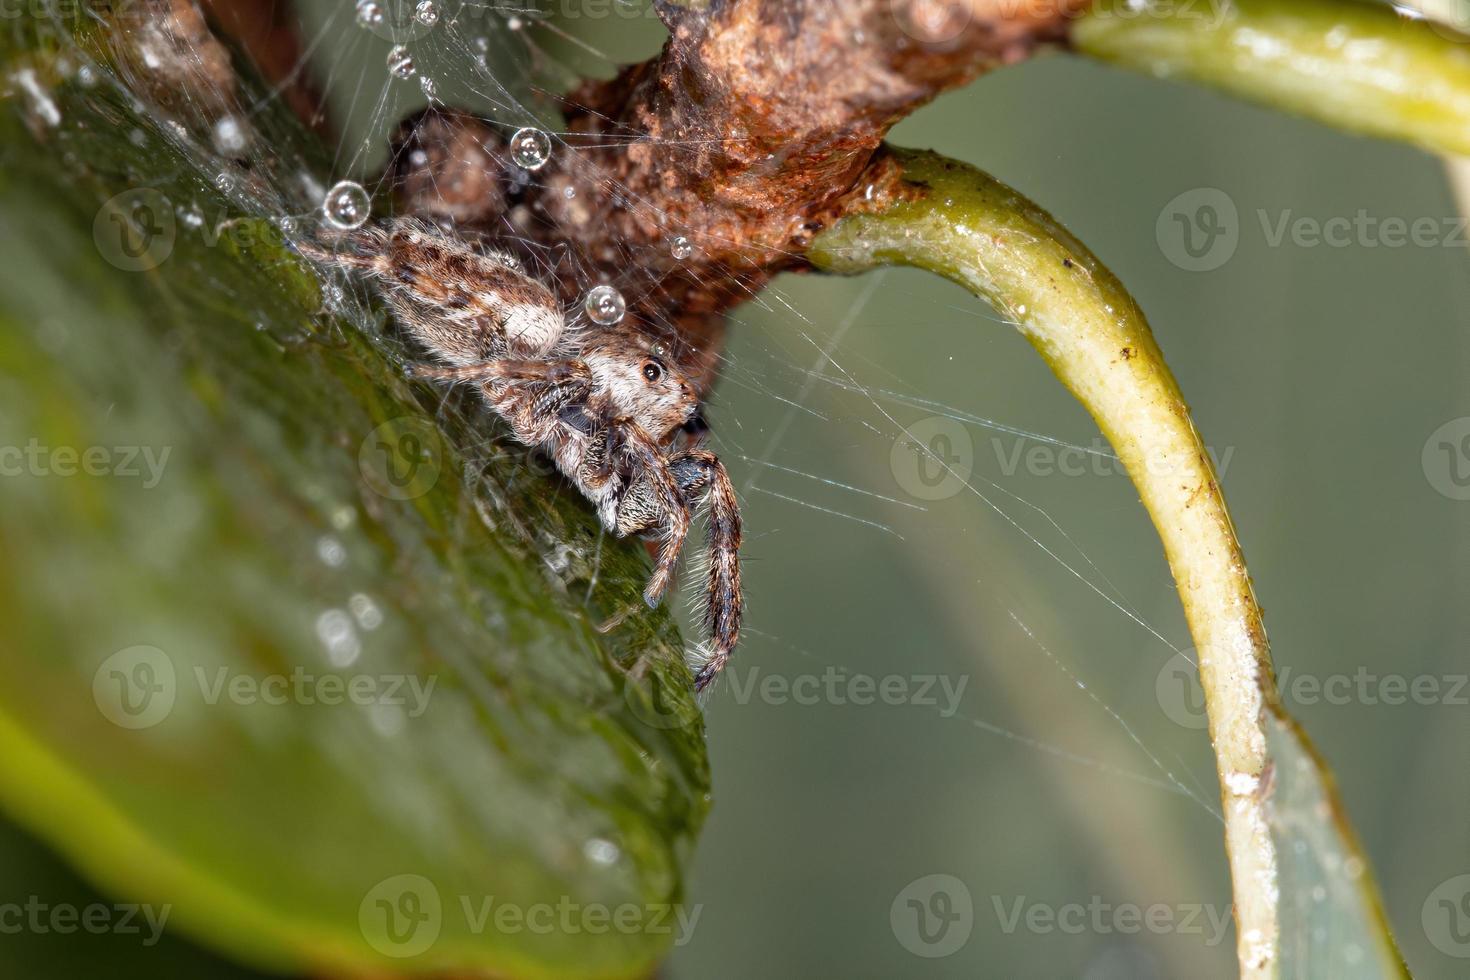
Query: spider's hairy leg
[(506, 369), (361, 249), (654, 485), (699, 471)]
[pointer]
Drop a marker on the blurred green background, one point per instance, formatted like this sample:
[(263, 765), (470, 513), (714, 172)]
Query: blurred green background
[(1317, 374)]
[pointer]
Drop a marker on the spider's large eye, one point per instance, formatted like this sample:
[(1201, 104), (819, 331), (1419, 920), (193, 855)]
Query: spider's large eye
[(652, 371)]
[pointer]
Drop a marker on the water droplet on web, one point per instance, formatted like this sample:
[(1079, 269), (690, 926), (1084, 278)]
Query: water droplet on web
[(400, 62), (426, 13), (330, 551), (514, 23), (365, 611), (681, 248), (224, 182), (86, 76), (530, 148), (335, 631), (482, 44), (346, 205), (229, 136), (369, 13), (426, 84), (601, 851), (605, 305), (569, 192)]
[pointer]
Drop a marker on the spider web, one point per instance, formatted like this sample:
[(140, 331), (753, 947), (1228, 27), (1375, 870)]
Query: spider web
[(846, 451)]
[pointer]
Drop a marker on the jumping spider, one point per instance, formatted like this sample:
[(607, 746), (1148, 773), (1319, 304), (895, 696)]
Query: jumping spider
[(603, 403)]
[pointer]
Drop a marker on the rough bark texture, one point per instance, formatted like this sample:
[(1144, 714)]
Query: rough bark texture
[(757, 126)]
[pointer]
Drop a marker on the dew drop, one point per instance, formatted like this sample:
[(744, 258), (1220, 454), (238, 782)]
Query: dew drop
[(365, 611), (530, 148), (369, 13), (346, 205), (681, 248), (426, 13), (605, 305), (400, 62), (601, 851), (229, 136), (335, 631), (330, 551), (426, 84)]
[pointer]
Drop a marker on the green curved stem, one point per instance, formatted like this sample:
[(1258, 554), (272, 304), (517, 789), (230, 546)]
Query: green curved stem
[(1352, 65), (974, 230)]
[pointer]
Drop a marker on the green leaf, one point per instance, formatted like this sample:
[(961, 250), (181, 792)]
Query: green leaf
[(293, 646), (1361, 67)]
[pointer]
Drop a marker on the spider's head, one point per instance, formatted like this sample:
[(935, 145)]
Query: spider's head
[(638, 380)]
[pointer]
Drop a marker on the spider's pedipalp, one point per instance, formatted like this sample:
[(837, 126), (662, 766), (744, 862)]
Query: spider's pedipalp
[(671, 515)]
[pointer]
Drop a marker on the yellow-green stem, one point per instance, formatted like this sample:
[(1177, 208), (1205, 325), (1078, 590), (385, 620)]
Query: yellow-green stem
[(970, 228), (1356, 66)]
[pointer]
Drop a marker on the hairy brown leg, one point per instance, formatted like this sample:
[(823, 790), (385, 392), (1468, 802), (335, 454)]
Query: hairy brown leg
[(552, 372), (655, 475), (699, 471)]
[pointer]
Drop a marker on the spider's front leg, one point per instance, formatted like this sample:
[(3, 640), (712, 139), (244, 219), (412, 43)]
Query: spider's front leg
[(531, 395), (551, 372), (698, 473)]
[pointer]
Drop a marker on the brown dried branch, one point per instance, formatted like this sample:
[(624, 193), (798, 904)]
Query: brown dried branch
[(756, 127)]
